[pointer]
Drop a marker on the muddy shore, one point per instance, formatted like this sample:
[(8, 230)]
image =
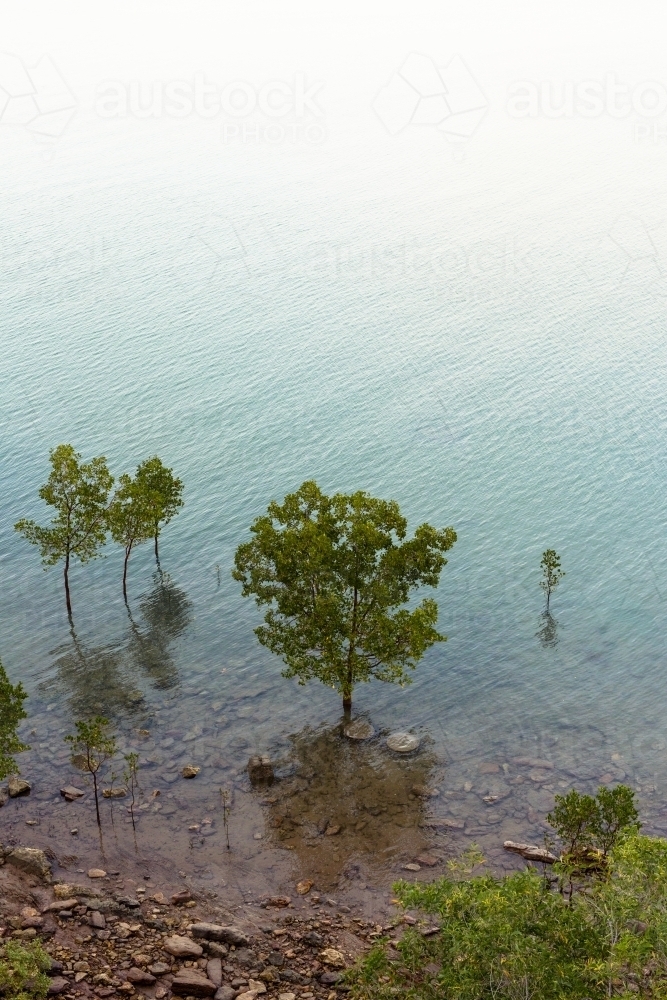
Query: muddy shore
[(111, 934)]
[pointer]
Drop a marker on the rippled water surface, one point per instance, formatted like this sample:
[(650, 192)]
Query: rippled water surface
[(489, 362)]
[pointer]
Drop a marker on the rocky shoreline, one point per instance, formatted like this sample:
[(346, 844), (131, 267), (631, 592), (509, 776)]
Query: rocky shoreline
[(108, 936)]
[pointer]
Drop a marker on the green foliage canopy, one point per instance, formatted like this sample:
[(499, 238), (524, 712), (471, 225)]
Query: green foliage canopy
[(78, 492), (12, 712), (131, 516), (336, 573), (162, 492)]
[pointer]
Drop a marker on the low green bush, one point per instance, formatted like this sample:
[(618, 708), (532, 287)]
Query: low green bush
[(22, 971), (520, 938)]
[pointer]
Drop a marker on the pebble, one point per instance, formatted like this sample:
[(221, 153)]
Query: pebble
[(96, 873), (412, 867), (330, 956), (359, 729), (402, 742), (189, 771)]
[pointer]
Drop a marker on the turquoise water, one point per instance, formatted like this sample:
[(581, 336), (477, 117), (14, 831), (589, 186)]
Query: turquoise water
[(465, 348)]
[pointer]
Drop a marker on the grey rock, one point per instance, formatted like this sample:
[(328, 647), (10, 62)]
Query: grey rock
[(70, 793), (3, 796), (276, 958), (18, 786), (57, 985), (214, 971), (214, 932), (30, 860), (96, 920), (313, 939), (330, 978), (139, 977), (225, 993), (182, 947), (159, 968), (244, 956), (189, 983), (216, 949), (129, 901)]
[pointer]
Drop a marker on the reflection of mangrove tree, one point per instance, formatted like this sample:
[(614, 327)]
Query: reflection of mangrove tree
[(165, 613), (103, 679), (548, 630), (346, 797), (97, 679)]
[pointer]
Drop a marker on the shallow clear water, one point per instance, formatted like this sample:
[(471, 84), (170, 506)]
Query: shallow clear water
[(480, 341)]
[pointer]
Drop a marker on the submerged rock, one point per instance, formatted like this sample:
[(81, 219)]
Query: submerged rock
[(18, 786), (260, 770), (402, 742), (359, 729)]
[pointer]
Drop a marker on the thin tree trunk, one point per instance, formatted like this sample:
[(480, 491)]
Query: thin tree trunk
[(67, 597), (157, 556), (97, 803), (128, 549)]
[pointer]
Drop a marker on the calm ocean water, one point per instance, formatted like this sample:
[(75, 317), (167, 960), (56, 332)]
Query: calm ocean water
[(482, 342)]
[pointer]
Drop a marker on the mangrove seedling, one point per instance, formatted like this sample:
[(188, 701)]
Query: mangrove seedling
[(91, 747), (131, 775), (551, 572), (336, 574), (226, 812)]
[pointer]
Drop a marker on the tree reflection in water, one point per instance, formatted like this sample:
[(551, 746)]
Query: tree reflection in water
[(104, 679), (374, 796), (548, 630)]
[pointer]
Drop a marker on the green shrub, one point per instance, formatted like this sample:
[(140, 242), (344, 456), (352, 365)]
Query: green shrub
[(516, 938), (22, 971), (586, 824)]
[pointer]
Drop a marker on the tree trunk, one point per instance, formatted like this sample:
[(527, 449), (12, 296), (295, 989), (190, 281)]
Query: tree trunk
[(97, 803), (67, 597), (157, 556), (128, 549), (347, 701)]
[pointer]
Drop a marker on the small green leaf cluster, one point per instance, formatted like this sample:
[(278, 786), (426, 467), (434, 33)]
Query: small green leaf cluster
[(516, 937), (22, 971), (12, 712)]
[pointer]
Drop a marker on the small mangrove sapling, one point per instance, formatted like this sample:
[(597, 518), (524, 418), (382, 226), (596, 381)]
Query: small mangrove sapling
[(92, 747), (130, 774), (551, 572)]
